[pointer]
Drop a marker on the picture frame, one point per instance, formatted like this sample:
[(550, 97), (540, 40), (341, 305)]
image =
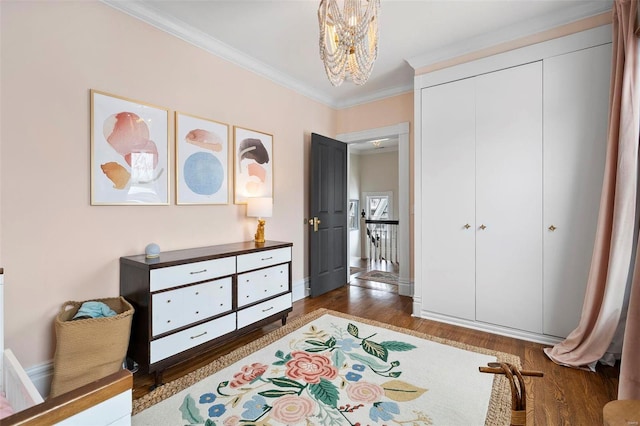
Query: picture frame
[(129, 151), (252, 164), (202, 160)]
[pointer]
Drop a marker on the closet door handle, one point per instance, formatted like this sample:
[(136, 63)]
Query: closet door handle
[(467, 226), (552, 228), (482, 227)]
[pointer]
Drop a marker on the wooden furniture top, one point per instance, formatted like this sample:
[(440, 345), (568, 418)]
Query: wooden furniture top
[(61, 407), (177, 257)]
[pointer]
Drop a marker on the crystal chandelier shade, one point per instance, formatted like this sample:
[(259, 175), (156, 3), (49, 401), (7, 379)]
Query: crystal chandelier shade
[(348, 39)]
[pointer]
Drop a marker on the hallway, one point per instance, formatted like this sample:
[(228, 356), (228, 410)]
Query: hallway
[(374, 274)]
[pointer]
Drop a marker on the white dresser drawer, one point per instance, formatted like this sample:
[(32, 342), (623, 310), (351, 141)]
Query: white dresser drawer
[(260, 311), (263, 283), (192, 337), (260, 259), (177, 308), (173, 276)]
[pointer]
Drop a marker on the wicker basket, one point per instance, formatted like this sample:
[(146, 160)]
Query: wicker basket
[(89, 349)]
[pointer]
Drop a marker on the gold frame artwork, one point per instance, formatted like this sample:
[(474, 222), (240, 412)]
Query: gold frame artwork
[(252, 164), (129, 151), (202, 160)]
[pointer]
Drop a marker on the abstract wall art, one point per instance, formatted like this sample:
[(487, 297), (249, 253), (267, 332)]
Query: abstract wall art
[(129, 151), (252, 164), (202, 160)]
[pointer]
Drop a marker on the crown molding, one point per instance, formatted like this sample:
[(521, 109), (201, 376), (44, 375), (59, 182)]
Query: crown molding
[(376, 96), (510, 33), (191, 35)]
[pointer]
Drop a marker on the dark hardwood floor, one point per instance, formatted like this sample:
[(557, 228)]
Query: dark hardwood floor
[(563, 396)]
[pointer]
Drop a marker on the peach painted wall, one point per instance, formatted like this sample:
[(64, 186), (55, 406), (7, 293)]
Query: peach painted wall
[(55, 246), (385, 112)]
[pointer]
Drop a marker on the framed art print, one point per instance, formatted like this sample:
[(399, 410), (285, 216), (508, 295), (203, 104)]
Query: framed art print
[(129, 152), (202, 160), (252, 164)]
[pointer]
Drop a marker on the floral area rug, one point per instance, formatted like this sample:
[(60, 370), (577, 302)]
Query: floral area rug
[(380, 276), (329, 368)]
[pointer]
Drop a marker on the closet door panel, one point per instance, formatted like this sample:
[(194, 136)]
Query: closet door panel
[(448, 176), (576, 99), (509, 197)]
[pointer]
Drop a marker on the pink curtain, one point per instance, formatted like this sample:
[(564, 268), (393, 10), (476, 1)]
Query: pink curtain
[(612, 260)]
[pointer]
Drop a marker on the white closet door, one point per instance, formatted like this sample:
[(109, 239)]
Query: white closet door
[(576, 99), (509, 197), (448, 180)]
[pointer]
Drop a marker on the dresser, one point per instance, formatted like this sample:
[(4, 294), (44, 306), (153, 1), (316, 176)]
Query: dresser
[(188, 301)]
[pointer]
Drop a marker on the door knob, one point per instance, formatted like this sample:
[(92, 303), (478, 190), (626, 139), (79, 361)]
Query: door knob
[(552, 228), (483, 227), (467, 226), (314, 222)]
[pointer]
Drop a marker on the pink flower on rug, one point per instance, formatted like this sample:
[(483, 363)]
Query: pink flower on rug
[(291, 409), (364, 392), (231, 421), (247, 374), (310, 368)]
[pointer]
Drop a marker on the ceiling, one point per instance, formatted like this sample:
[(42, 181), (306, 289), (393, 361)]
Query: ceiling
[(279, 38)]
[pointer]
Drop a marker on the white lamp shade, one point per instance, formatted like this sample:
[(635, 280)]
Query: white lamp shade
[(259, 207)]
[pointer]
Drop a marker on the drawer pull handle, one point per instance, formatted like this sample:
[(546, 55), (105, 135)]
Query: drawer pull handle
[(265, 290), (197, 293), (168, 300), (197, 312), (198, 272), (199, 335), (268, 309), (168, 321), (220, 287), (267, 258), (265, 275), (222, 304), (247, 296)]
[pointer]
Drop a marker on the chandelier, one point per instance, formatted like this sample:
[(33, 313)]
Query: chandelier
[(348, 39)]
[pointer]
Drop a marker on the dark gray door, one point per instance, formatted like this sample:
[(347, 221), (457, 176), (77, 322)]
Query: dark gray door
[(328, 223)]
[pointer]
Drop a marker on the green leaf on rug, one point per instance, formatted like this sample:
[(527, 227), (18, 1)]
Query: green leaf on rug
[(375, 349), (371, 362), (209, 422), (339, 359), (314, 342), (331, 342), (353, 330), (275, 393), (397, 346), (283, 382), (283, 359), (190, 412), (326, 392)]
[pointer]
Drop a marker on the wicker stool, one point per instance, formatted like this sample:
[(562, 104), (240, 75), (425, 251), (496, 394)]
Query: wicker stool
[(621, 413), (518, 391)]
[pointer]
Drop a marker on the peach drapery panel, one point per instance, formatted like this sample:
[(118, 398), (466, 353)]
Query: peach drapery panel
[(612, 261)]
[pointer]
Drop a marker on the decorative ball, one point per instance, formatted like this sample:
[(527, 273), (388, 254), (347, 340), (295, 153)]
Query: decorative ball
[(152, 250)]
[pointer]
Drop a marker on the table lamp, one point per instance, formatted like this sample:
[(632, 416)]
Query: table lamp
[(259, 207)]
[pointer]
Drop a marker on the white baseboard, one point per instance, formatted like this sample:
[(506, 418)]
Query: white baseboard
[(300, 289), (41, 376)]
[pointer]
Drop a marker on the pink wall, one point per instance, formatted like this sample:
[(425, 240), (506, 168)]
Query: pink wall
[(55, 246)]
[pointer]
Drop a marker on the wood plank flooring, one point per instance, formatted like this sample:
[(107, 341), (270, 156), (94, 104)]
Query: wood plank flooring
[(563, 396)]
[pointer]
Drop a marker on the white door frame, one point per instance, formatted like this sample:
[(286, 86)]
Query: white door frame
[(401, 132)]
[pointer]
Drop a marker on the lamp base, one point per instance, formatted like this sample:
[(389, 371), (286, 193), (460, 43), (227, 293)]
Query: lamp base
[(259, 236)]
